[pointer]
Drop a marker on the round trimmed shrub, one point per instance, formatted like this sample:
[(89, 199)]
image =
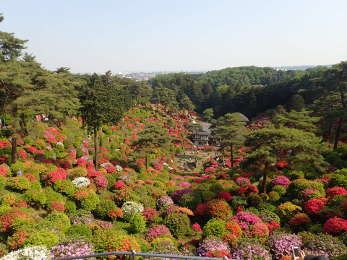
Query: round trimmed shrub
[(335, 226), (179, 224), (164, 202), (157, 231), (324, 244), (190, 200), (42, 237), (211, 246), (254, 200), (90, 202), (104, 207), (281, 244), (59, 221), (164, 245), (251, 251), (72, 248), (65, 187), (215, 227), (78, 231), (137, 223), (19, 183), (106, 240), (279, 189), (130, 208), (70, 207), (219, 209)]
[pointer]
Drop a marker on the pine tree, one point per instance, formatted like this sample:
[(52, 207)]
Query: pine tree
[(297, 119), (296, 103), (230, 130), (102, 102), (299, 148)]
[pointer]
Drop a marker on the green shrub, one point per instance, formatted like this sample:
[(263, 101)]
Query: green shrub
[(79, 230), (343, 237), (77, 172), (190, 200), (137, 223), (35, 197), (43, 237), (274, 196), (58, 221), (295, 175), (114, 240), (267, 206), (269, 216), (279, 189), (164, 245), (19, 183), (215, 227), (238, 201), (53, 196), (65, 187), (104, 207), (315, 228), (179, 224), (70, 207), (338, 180), (90, 202), (254, 200), (299, 185)]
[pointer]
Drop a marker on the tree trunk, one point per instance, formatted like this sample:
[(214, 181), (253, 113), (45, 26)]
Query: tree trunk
[(13, 149), (95, 147), (329, 131), (23, 124), (231, 156), (263, 183), (338, 132)]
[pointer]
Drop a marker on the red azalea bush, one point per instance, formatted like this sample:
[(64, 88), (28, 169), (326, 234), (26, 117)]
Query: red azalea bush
[(101, 182), (196, 227), (314, 206), (336, 191), (224, 195), (201, 209), (335, 226), (4, 170), (299, 219), (150, 214), (58, 174), (259, 230)]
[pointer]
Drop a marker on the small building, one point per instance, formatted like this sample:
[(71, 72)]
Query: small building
[(201, 136)]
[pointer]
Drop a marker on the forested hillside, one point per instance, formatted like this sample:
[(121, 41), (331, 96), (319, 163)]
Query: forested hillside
[(243, 162)]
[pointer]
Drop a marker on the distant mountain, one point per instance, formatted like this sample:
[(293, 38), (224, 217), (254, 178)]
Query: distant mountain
[(302, 67), (148, 75)]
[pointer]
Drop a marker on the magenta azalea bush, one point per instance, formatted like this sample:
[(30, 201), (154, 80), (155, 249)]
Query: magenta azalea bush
[(281, 244), (210, 245), (281, 180), (251, 251), (72, 248), (157, 231)]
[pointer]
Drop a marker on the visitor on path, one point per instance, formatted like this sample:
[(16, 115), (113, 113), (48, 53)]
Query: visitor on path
[(310, 257)]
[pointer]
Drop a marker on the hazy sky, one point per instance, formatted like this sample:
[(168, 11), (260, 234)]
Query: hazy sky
[(175, 35)]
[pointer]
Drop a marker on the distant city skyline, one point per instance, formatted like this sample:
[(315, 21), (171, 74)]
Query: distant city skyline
[(182, 35)]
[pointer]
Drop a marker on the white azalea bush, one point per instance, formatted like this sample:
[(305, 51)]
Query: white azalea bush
[(130, 208), (29, 253), (81, 182), (119, 168)]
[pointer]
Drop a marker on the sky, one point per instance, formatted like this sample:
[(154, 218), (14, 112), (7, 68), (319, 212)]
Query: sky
[(178, 35)]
